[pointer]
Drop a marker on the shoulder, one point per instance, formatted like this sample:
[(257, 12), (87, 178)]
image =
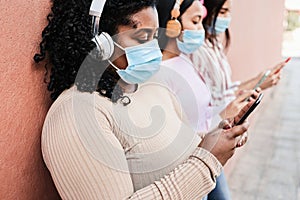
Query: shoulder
[(72, 99), (171, 62), (73, 121), (73, 109)]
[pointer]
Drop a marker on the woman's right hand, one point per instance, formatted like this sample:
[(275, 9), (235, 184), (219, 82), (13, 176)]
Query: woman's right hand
[(222, 141), (234, 107), (273, 78)]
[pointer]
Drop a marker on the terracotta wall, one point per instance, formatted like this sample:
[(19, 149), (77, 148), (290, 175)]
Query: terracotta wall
[(24, 102), (257, 31)]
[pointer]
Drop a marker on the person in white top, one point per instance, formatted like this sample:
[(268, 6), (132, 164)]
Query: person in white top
[(112, 132), (211, 63), (228, 97)]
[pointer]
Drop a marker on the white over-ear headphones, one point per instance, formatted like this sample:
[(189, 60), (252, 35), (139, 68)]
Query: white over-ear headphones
[(104, 42)]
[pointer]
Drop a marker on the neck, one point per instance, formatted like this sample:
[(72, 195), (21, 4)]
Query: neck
[(171, 50), (127, 88)]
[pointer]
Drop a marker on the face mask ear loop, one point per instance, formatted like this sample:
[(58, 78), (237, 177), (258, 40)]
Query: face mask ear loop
[(180, 36), (119, 46), (112, 64)]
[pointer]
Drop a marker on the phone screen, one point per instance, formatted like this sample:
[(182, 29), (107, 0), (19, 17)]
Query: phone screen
[(249, 111)]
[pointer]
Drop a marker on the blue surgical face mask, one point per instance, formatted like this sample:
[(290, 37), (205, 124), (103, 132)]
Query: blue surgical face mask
[(143, 62), (222, 23), (192, 40)]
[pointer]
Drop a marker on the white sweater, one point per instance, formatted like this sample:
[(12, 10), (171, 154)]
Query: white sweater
[(95, 149)]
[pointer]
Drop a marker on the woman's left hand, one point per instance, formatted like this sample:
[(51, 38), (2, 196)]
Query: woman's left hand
[(242, 140), (273, 77)]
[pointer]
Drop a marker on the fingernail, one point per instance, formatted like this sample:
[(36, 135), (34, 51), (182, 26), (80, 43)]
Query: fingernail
[(224, 124), (226, 127), (242, 92)]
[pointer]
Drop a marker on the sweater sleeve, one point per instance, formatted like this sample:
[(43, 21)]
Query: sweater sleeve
[(84, 166), (192, 179)]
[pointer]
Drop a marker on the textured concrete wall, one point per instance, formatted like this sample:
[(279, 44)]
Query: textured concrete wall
[(257, 31), (24, 102)]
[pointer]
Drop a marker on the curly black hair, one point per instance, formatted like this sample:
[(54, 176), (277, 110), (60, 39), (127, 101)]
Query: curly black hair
[(66, 43)]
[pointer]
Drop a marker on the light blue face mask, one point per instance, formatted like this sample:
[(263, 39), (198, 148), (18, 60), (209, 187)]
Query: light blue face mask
[(143, 62), (222, 23), (192, 40)]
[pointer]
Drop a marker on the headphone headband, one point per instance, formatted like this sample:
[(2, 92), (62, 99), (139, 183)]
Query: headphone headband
[(104, 42), (97, 8), (96, 11), (175, 13)]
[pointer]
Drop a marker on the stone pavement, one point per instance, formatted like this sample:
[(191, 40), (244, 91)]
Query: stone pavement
[(268, 166)]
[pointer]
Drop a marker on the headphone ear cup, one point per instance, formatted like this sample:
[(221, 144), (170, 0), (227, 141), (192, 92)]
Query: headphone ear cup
[(105, 45), (173, 28), (204, 12)]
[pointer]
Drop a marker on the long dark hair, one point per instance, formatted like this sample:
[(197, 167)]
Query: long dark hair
[(66, 43), (213, 9), (164, 8)]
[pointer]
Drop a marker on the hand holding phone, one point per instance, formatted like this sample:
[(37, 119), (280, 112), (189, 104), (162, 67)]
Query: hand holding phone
[(249, 111), (262, 79), (271, 76)]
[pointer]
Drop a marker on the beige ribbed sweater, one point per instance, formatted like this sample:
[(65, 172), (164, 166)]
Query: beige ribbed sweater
[(95, 149)]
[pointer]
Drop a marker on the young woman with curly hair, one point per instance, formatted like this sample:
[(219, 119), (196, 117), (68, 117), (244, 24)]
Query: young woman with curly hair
[(111, 133)]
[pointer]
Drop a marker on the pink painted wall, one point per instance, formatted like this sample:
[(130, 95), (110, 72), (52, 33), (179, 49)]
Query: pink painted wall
[(24, 102), (256, 39), (257, 31), (256, 43)]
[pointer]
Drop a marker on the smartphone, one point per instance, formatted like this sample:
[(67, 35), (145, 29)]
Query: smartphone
[(286, 61), (263, 78), (249, 111)]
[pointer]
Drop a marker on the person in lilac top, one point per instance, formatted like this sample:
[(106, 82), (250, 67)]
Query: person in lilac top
[(185, 83), (181, 77)]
